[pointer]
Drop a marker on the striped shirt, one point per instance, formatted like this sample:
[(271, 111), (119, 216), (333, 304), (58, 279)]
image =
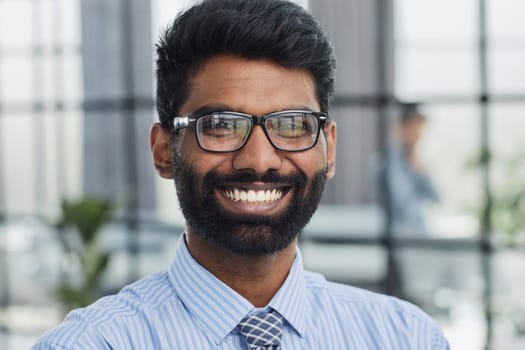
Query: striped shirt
[(186, 307)]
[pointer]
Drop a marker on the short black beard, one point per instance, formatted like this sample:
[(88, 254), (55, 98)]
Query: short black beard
[(245, 234)]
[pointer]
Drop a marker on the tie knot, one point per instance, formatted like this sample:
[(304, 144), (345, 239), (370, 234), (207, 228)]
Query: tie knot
[(262, 330)]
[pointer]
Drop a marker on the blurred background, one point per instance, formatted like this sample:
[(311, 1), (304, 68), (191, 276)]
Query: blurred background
[(428, 202)]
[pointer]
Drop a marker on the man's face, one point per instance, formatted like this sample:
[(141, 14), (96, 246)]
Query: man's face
[(255, 200), (411, 132)]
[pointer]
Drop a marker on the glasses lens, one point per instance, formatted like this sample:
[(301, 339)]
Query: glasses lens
[(293, 131), (222, 132)]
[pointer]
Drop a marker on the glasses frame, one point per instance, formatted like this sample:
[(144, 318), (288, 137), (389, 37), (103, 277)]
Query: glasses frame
[(190, 120)]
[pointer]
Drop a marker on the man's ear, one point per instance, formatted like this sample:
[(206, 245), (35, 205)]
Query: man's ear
[(330, 132), (159, 143)]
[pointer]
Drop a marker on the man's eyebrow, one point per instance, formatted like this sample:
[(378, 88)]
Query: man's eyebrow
[(211, 108), (301, 108), (222, 108)]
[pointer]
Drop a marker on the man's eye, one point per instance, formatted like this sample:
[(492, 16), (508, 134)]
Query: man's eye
[(216, 128), (292, 126), (220, 126)]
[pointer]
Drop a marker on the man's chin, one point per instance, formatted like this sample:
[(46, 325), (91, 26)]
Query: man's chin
[(253, 222), (253, 240)]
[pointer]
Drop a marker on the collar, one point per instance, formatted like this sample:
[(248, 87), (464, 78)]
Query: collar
[(218, 309), (291, 299)]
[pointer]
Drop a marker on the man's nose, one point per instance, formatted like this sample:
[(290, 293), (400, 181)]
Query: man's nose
[(258, 154)]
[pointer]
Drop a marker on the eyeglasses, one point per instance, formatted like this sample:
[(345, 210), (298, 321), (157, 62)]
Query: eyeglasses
[(225, 131)]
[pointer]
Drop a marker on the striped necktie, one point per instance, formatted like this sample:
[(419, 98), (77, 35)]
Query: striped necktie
[(262, 330)]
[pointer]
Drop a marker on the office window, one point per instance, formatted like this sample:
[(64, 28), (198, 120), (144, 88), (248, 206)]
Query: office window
[(435, 49), (463, 61), (40, 98)]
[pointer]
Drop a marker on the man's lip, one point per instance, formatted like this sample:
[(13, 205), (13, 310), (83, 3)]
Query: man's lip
[(256, 186), (252, 204), (253, 196), (254, 193)]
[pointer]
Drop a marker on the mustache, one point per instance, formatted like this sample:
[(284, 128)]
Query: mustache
[(214, 179)]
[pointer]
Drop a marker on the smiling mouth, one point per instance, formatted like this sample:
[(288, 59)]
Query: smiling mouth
[(254, 196)]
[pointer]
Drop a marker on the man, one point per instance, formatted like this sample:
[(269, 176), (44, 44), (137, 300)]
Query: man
[(243, 91), (408, 184)]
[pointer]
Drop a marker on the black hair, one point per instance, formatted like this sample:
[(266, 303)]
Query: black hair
[(277, 30), (410, 111)]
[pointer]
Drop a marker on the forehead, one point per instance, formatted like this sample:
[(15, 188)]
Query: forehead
[(250, 86)]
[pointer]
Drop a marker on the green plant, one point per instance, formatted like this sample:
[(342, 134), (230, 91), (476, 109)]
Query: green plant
[(508, 214), (507, 207), (78, 229)]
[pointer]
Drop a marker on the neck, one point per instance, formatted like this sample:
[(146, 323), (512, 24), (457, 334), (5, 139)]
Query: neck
[(256, 278)]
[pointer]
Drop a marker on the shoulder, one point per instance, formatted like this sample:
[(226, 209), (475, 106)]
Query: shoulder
[(150, 292), (374, 311), (89, 327), (344, 295)]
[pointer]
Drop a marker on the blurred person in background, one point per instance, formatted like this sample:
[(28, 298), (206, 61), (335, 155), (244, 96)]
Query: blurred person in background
[(243, 88), (402, 175)]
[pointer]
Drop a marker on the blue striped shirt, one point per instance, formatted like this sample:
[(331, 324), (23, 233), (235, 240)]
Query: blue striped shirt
[(186, 307)]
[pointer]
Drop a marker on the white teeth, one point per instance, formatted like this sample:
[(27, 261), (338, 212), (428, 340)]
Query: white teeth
[(252, 196), (243, 196)]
